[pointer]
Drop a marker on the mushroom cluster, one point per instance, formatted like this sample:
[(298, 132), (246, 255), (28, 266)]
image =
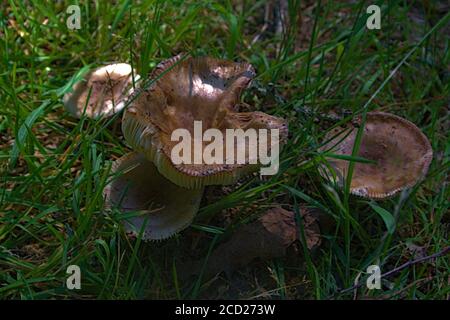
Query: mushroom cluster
[(185, 89), (400, 152), (163, 196)]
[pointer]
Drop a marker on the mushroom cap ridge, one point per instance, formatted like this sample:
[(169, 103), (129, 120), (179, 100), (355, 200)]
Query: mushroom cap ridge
[(402, 152)]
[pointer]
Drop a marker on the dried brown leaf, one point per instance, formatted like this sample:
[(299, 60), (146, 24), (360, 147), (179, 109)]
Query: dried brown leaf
[(266, 238)]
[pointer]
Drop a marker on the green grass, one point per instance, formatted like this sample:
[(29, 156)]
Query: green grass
[(53, 168)]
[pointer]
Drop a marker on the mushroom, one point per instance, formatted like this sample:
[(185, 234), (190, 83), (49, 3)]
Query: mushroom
[(164, 207), (187, 90), (106, 87), (401, 152), (184, 91)]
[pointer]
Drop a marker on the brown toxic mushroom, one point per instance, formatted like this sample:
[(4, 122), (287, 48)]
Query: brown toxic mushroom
[(400, 151), (187, 90), (163, 207), (106, 87)]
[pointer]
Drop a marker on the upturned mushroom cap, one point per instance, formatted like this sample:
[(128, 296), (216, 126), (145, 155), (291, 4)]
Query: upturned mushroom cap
[(166, 208), (111, 86), (187, 90), (401, 151)]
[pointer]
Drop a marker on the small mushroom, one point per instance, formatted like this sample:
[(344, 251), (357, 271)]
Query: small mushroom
[(187, 90), (401, 152), (106, 87), (164, 207)]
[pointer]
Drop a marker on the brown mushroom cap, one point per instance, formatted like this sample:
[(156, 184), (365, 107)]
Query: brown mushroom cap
[(166, 208), (401, 151), (111, 85), (194, 89)]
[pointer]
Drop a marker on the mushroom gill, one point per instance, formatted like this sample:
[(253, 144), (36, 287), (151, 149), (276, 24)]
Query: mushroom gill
[(187, 90), (107, 89), (164, 208), (401, 152)]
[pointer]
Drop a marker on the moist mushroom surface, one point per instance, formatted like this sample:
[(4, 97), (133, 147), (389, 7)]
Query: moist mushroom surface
[(401, 152), (164, 208), (187, 90), (111, 85)]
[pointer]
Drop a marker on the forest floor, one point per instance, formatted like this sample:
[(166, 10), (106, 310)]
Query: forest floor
[(317, 64)]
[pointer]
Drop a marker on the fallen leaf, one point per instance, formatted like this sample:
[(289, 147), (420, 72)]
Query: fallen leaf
[(266, 238)]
